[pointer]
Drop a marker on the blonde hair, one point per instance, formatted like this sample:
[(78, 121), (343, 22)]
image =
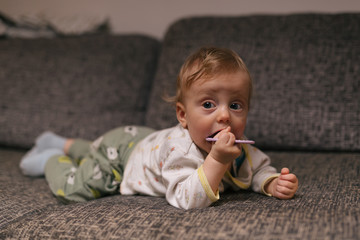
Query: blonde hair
[(205, 63)]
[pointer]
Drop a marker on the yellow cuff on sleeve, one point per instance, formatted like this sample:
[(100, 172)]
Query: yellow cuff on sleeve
[(205, 184), (236, 181), (266, 182)]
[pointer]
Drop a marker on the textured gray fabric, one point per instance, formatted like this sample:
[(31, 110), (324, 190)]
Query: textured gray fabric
[(76, 87), (305, 70), (306, 74), (325, 207), (20, 196)]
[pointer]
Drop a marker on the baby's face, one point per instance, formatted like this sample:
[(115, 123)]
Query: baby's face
[(213, 104)]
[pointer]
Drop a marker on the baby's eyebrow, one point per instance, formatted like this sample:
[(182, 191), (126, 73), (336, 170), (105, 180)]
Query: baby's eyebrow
[(208, 89), (207, 92)]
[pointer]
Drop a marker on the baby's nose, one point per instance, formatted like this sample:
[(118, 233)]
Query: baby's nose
[(223, 115)]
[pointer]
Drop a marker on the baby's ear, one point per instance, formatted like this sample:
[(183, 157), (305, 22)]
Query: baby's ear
[(181, 114)]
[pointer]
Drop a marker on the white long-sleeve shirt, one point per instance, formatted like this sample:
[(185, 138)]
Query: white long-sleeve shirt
[(168, 163)]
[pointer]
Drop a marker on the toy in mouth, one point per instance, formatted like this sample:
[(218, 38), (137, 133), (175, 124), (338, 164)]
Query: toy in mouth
[(212, 139), (209, 139)]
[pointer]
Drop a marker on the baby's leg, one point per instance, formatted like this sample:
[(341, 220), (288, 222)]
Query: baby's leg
[(77, 183), (77, 148)]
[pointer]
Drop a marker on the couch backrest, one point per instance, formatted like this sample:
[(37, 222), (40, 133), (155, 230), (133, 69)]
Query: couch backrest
[(305, 68), (77, 87)]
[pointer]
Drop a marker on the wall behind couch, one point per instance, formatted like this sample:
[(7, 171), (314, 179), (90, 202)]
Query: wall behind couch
[(154, 16)]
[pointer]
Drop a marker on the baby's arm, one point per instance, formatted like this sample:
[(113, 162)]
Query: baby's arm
[(222, 154), (284, 186)]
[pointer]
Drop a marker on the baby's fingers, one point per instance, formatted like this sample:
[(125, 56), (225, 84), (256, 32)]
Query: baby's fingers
[(283, 192), (281, 195), (288, 182), (285, 171), (288, 177), (285, 189)]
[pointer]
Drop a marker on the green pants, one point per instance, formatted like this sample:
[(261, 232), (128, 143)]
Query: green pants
[(93, 170)]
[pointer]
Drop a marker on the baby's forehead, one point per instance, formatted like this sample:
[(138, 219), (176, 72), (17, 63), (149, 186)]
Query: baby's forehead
[(235, 76), (235, 84)]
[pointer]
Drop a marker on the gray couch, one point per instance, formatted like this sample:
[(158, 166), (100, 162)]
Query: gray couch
[(305, 115)]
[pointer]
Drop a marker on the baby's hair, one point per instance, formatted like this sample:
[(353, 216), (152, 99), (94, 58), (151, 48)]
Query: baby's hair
[(205, 63)]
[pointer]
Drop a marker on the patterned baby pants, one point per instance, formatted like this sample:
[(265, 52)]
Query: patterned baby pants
[(93, 170)]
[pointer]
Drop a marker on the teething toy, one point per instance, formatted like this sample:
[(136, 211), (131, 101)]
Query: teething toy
[(209, 139)]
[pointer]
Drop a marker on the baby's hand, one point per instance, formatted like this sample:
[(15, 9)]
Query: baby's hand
[(283, 187), (225, 150)]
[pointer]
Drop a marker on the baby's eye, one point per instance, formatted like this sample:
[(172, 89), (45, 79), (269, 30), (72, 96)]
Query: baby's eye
[(208, 105), (235, 106)]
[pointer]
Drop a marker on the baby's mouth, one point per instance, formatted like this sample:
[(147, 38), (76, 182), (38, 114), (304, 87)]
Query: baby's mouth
[(214, 134)]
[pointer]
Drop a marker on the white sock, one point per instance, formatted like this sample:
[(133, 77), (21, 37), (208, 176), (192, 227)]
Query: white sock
[(33, 163), (49, 140)]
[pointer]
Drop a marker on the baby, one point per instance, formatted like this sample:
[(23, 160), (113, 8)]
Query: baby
[(213, 95)]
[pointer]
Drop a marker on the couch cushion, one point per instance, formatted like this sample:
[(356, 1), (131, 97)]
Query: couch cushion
[(326, 206), (305, 70), (20, 196), (77, 87)]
